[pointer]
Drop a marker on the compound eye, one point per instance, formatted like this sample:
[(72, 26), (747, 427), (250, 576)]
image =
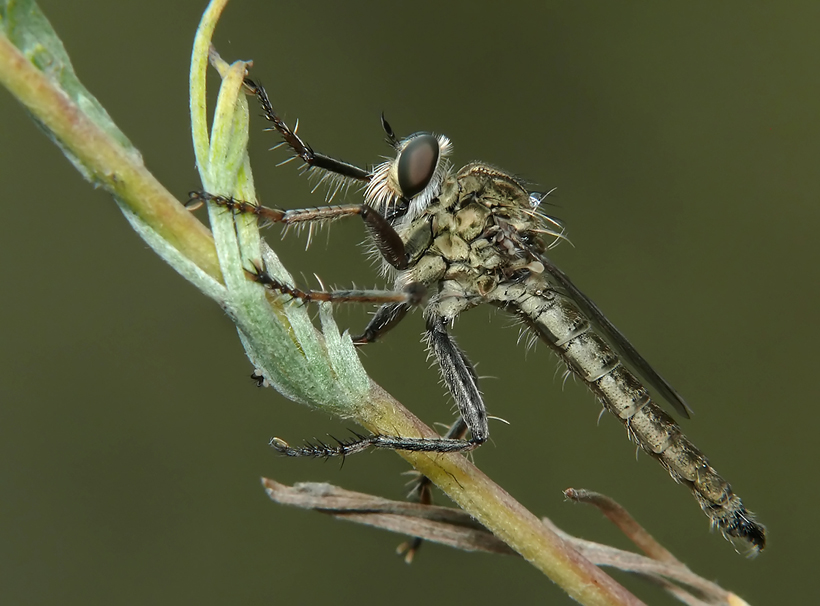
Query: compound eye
[(417, 164)]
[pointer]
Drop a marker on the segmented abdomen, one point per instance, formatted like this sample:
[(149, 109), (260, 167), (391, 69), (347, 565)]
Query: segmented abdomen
[(560, 323)]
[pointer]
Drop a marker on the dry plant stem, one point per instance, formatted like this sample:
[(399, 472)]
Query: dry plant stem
[(453, 527), (625, 522), (444, 525), (657, 571)]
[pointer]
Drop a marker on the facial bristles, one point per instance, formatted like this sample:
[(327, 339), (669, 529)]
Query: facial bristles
[(384, 193)]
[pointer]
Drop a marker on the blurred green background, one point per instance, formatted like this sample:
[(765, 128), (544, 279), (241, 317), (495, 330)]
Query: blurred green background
[(684, 142)]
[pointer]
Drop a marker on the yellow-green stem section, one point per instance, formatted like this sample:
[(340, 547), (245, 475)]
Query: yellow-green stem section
[(118, 171), (495, 509)]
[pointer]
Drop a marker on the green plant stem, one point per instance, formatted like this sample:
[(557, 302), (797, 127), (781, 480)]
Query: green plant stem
[(119, 171)]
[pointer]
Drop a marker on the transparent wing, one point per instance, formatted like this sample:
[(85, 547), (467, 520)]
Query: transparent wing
[(617, 339)]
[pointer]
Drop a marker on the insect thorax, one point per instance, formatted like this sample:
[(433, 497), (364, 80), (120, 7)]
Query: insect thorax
[(479, 232)]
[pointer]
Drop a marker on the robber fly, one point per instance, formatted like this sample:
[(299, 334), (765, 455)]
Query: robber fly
[(454, 239)]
